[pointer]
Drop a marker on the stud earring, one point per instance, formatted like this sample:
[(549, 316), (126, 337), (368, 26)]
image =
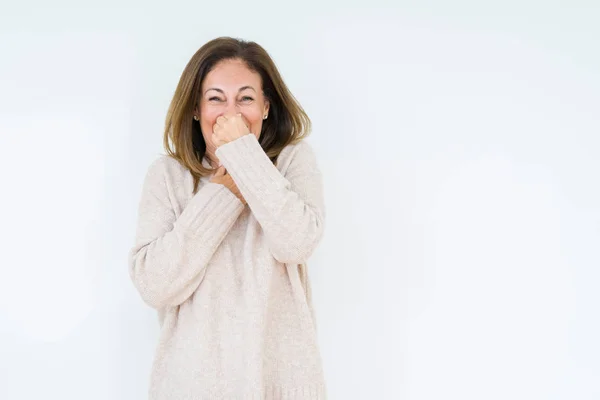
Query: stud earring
[(196, 117), (265, 116)]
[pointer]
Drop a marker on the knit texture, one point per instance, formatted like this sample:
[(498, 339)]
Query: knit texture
[(229, 281)]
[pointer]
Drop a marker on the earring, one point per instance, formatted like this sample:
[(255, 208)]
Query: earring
[(265, 116), (196, 117)]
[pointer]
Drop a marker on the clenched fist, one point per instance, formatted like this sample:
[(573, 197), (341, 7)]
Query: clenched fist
[(228, 128), (222, 177)]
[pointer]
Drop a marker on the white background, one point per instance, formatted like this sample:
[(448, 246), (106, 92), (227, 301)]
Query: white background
[(460, 145)]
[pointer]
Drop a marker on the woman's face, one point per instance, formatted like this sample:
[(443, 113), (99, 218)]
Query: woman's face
[(231, 88)]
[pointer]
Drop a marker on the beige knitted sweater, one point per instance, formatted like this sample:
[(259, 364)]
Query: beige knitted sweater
[(229, 281)]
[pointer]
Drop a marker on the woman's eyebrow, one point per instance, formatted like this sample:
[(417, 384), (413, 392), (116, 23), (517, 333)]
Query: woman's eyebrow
[(215, 89), (221, 91), (246, 87)]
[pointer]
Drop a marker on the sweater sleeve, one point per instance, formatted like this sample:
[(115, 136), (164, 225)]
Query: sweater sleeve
[(290, 208), (170, 254)]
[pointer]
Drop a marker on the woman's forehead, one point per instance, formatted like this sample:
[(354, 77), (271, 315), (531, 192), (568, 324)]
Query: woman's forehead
[(231, 74)]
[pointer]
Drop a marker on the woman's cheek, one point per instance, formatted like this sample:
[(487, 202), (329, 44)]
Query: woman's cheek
[(257, 130)]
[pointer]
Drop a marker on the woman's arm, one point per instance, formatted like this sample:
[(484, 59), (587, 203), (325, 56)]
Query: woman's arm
[(169, 258), (289, 209)]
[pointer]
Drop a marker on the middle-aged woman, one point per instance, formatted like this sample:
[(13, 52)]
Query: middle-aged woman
[(226, 222)]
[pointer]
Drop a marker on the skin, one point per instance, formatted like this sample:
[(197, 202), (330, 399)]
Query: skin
[(232, 105)]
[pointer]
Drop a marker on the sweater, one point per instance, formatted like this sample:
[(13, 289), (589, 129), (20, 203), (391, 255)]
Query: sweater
[(228, 280)]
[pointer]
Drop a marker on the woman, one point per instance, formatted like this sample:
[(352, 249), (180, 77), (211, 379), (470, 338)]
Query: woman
[(227, 220)]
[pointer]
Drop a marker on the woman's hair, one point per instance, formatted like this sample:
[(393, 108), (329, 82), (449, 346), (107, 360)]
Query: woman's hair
[(183, 140)]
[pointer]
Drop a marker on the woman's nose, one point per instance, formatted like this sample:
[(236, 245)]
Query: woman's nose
[(231, 109)]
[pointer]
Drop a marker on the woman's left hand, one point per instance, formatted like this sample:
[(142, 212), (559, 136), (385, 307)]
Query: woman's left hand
[(228, 129)]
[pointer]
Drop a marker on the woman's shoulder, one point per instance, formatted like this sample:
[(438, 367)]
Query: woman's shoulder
[(300, 149), (166, 167), (301, 146), (298, 153)]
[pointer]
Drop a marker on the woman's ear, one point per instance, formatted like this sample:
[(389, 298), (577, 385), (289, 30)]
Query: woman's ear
[(266, 108)]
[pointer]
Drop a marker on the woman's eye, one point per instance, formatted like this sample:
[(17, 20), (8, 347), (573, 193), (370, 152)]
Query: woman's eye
[(214, 99), (247, 98)]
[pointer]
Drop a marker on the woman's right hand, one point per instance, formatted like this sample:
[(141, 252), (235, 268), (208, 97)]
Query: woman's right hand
[(222, 177)]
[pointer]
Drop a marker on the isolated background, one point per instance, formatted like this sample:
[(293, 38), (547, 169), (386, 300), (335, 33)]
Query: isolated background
[(460, 146)]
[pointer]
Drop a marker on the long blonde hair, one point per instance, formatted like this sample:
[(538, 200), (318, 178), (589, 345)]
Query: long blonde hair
[(183, 140)]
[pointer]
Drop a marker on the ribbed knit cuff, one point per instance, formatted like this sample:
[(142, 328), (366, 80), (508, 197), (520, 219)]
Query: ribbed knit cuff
[(213, 208), (251, 168)]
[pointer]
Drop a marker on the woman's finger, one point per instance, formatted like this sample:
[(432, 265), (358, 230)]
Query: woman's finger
[(220, 171), (221, 119), (215, 140)]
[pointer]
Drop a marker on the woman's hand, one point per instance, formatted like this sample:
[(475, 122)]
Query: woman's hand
[(222, 177), (228, 129)]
